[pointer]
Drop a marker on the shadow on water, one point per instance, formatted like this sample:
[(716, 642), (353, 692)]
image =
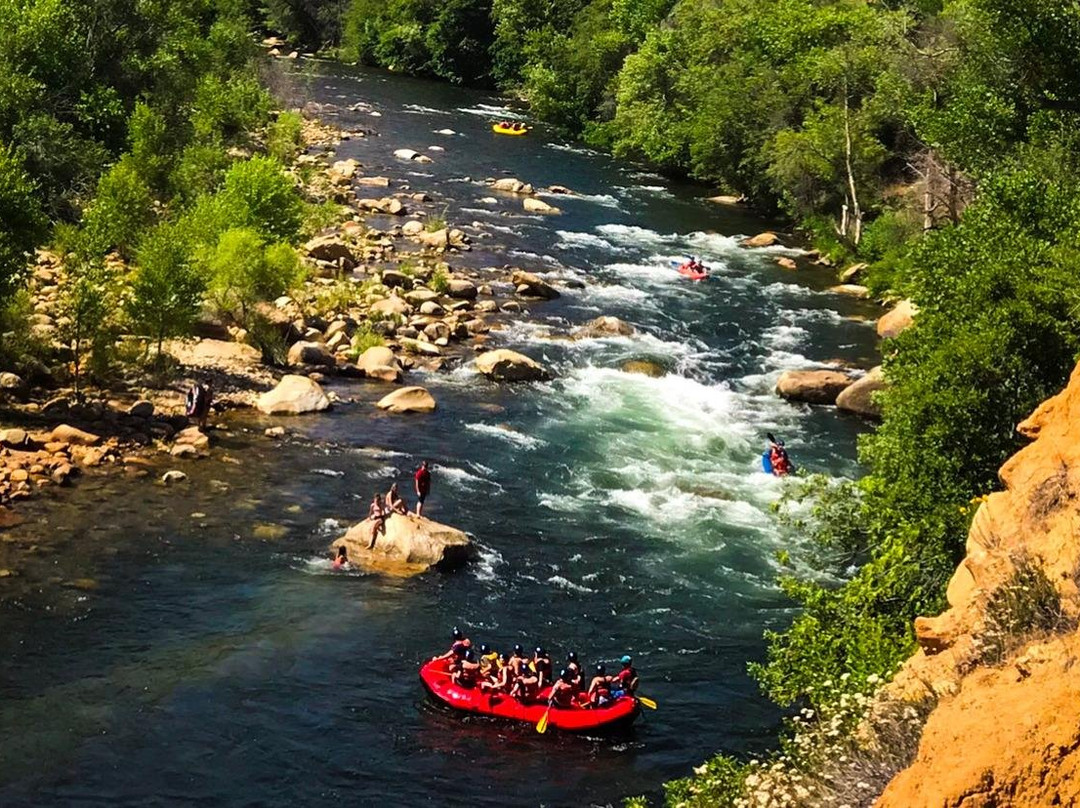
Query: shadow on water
[(188, 644)]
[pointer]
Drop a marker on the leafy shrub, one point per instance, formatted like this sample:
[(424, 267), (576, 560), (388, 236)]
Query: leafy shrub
[(244, 271), (227, 108), (285, 136), (267, 197), (363, 339), (200, 169), (440, 281), (21, 219), (120, 212)]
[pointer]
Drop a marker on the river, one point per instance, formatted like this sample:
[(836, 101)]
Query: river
[(211, 657)]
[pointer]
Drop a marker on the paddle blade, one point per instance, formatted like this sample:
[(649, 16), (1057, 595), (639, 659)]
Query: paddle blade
[(541, 725), (770, 436), (647, 702)]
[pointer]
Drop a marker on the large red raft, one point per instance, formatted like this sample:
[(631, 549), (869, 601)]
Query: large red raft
[(436, 678)]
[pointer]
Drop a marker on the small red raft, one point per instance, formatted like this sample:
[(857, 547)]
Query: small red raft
[(436, 678), (688, 270)]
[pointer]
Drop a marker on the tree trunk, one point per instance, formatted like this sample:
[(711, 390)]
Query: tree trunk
[(856, 211)]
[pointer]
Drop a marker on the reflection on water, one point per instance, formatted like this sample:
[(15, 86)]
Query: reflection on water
[(191, 644)]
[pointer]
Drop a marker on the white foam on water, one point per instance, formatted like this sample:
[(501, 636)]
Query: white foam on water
[(572, 149), (784, 337), (607, 200), (570, 240), (382, 473), (328, 526), (493, 111), (328, 472), (379, 453), (419, 109), (505, 433), (488, 560), (464, 480), (564, 583)]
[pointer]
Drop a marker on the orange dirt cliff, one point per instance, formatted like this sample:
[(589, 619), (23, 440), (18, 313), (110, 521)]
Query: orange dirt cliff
[(1006, 729)]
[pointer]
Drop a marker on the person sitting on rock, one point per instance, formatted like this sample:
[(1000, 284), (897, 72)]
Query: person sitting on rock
[(342, 559), (600, 688), (378, 516), (459, 643), (500, 682), (394, 501)]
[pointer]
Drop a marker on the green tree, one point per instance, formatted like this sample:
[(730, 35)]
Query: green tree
[(265, 198), (21, 219), (122, 209), (166, 289)]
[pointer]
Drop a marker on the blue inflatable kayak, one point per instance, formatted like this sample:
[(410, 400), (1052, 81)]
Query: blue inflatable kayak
[(766, 463)]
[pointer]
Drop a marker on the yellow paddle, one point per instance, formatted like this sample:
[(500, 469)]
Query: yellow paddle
[(541, 725), (647, 702)]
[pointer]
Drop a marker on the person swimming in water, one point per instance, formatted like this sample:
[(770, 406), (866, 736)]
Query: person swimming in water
[(342, 559)]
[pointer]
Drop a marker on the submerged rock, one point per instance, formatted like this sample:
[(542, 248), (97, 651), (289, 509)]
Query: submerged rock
[(408, 399), (294, 395), (411, 544), (533, 205), (605, 326), (644, 367), (509, 366)]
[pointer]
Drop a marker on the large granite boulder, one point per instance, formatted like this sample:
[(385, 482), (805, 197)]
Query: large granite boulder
[(411, 544), (896, 320), (379, 362), (310, 353), (294, 395), (503, 365), (858, 396), (528, 284), (408, 399), (812, 386)]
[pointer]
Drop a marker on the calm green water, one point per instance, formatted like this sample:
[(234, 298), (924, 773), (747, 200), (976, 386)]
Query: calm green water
[(616, 513)]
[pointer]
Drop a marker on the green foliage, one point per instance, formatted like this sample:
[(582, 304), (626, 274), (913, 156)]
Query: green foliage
[(245, 270), (439, 281), (227, 109), (363, 339), (284, 138), (265, 198), (87, 302), (121, 210), (21, 219), (166, 289), (318, 217)]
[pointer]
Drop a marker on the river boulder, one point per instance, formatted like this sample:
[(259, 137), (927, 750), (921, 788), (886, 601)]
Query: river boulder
[(503, 365), (529, 284), (512, 185), (411, 545), (534, 205), (310, 353), (294, 395), (812, 386), (332, 249), (858, 396), (379, 362), (65, 433), (408, 399), (897, 320), (767, 239), (644, 367), (605, 326)]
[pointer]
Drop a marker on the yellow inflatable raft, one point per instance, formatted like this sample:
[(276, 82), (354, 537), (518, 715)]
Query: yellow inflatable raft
[(499, 129)]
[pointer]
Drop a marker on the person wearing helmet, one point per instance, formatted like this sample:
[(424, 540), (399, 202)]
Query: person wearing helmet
[(518, 663), (541, 664), (600, 688), (458, 642), (525, 685), (562, 691), (625, 682), (489, 660), (501, 681), (574, 669), (467, 669)]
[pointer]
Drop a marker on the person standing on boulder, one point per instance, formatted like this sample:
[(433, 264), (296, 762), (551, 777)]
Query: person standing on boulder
[(422, 480), (378, 516)]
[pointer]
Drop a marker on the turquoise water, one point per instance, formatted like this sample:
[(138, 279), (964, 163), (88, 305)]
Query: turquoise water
[(615, 512)]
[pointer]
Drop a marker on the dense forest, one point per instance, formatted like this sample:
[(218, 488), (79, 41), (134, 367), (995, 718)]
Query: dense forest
[(934, 140)]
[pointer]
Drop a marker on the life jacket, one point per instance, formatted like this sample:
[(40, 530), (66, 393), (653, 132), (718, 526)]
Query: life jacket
[(488, 663), (624, 677)]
